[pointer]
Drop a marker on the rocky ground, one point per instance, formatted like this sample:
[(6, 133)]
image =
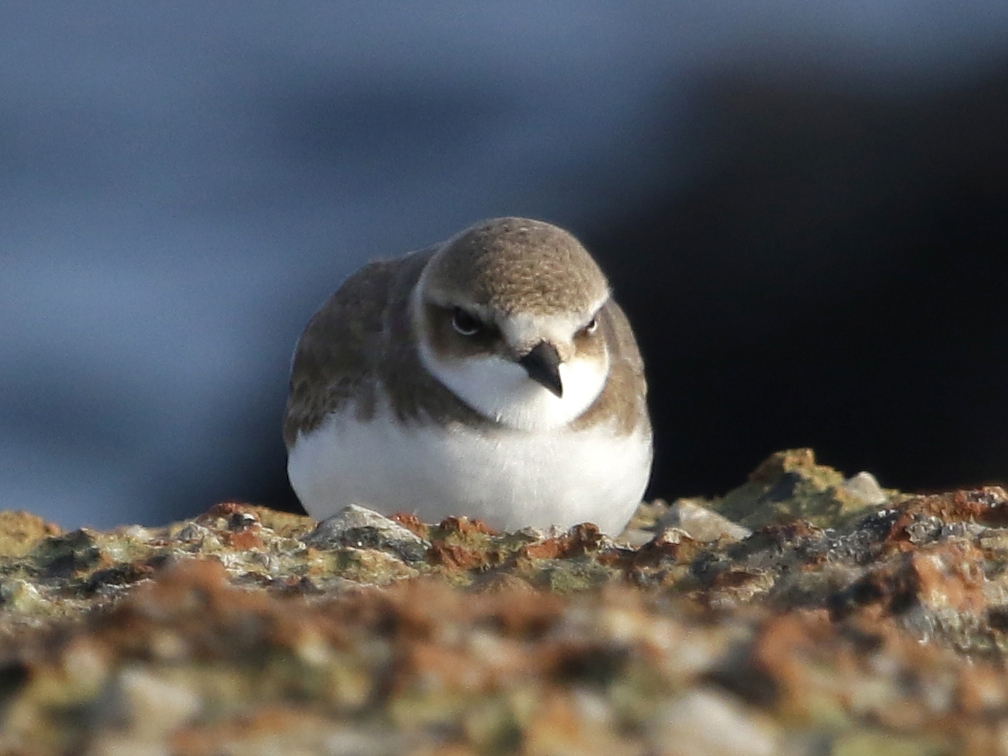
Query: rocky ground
[(803, 613)]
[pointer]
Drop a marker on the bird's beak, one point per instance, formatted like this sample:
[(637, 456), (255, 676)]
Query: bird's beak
[(542, 363)]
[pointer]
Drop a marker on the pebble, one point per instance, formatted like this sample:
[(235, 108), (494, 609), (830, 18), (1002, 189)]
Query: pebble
[(700, 523), (361, 528), (708, 723), (146, 704), (863, 486)]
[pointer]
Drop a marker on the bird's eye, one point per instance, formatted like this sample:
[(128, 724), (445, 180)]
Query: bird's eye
[(464, 323)]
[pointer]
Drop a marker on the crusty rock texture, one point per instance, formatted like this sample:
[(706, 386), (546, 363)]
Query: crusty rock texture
[(803, 613)]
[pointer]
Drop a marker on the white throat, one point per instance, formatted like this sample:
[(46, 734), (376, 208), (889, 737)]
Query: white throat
[(501, 390)]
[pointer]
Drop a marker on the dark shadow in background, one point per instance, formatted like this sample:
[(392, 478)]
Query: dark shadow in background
[(837, 279)]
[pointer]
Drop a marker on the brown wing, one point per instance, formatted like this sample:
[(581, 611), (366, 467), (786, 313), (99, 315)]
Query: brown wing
[(625, 394), (336, 355)]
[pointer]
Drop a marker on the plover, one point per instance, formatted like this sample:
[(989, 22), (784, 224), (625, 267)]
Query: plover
[(491, 376)]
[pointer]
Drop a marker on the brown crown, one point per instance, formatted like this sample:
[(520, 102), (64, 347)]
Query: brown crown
[(518, 265)]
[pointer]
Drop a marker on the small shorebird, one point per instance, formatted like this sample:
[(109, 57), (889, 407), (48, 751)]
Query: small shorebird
[(491, 376)]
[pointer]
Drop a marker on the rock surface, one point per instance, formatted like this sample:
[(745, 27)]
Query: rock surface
[(803, 613)]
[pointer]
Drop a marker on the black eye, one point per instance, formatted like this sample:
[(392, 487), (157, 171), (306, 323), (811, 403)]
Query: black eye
[(592, 326), (465, 323)]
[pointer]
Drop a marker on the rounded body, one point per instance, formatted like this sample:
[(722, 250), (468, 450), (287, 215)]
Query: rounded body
[(509, 479), (491, 377)]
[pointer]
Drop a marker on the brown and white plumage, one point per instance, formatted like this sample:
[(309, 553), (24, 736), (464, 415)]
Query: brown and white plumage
[(491, 376)]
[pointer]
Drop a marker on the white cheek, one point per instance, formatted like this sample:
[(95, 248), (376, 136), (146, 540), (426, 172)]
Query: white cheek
[(583, 381), (501, 390)]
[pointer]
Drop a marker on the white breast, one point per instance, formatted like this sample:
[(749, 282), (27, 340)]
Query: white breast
[(508, 478)]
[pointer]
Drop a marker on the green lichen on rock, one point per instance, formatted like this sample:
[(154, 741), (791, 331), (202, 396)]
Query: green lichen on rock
[(20, 532), (790, 485)]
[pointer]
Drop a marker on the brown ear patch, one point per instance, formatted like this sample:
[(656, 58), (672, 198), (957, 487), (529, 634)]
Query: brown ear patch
[(446, 341)]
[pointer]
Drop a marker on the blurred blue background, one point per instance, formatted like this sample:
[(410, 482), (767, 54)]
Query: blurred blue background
[(802, 205)]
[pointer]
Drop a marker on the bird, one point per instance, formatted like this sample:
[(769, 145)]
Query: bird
[(491, 376)]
